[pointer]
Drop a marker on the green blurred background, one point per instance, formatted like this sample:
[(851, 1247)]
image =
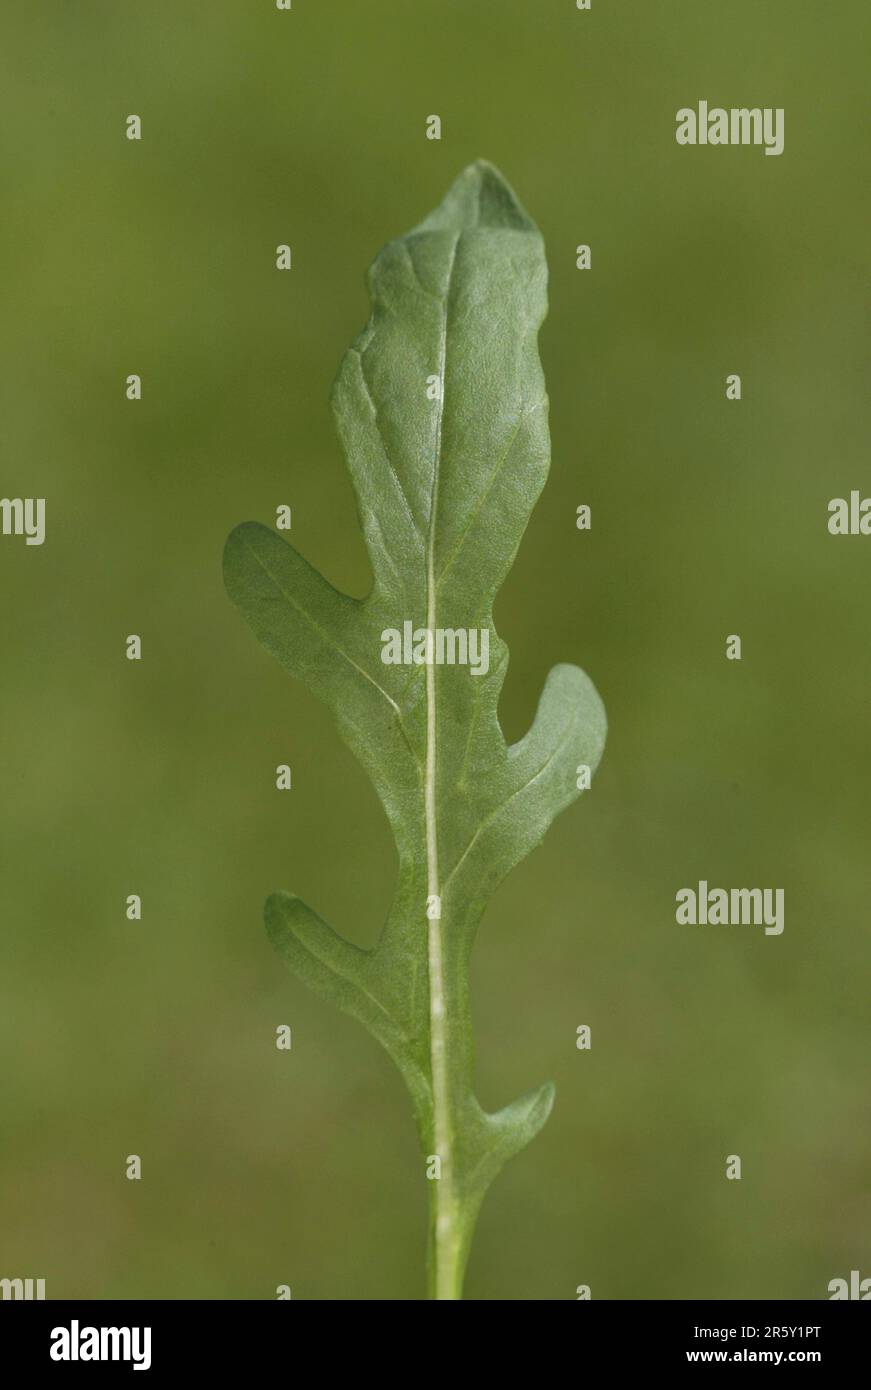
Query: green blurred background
[(259, 127)]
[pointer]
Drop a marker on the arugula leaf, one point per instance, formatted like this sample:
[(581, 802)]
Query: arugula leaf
[(441, 408)]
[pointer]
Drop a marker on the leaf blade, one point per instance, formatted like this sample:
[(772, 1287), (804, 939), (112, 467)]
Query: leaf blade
[(445, 481)]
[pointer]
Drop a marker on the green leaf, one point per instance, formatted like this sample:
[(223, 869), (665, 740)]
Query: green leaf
[(441, 408)]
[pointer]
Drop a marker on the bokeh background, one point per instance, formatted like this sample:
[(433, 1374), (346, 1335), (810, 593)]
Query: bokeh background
[(157, 1038)]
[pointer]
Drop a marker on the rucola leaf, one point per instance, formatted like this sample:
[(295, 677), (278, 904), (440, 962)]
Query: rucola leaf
[(441, 408)]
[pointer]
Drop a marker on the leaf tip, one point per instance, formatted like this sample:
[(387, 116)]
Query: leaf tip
[(542, 1103), (523, 1119), (512, 1128), (279, 911), (238, 539), (481, 197)]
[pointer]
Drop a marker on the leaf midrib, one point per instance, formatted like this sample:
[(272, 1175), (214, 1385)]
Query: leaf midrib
[(442, 1135)]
